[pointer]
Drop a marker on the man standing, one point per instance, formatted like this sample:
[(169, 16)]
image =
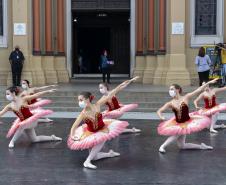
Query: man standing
[(16, 60)]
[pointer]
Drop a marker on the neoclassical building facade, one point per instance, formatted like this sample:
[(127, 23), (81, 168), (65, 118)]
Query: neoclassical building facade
[(62, 39)]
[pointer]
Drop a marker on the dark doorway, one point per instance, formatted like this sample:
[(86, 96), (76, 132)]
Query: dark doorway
[(95, 31)]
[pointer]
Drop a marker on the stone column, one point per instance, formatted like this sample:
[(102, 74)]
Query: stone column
[(48, 61), (150, 59), (140, 59), (176, 59), (21, 13), (60, 60)]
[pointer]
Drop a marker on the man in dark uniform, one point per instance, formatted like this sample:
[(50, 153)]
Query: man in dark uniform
[(16, 59)]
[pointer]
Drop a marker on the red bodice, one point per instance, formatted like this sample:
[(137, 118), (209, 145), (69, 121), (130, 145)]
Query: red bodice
[(96, 124), (32, 101), (113, 104), (182, 114), (23, 113), (210, 102)]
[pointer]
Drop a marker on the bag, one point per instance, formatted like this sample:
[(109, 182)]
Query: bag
[(110, 63)]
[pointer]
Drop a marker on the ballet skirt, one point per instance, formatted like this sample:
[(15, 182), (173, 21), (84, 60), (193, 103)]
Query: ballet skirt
[(38, 102), (95, 131), (116, 110), (26, 117), (211, 107), (183, 122)]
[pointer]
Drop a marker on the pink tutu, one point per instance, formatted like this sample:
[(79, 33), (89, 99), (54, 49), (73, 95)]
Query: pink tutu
[(18, 123), (39, 103), (212, 111), (86, 139), (196, 123), (119, 112)]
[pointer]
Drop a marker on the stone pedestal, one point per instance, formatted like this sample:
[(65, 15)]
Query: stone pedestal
[(151, 63)]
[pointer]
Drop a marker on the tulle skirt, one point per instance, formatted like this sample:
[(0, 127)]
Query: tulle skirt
[(212, 111), (196, 123), (84, 139), (119, 112), (18, 123), (40, 103)]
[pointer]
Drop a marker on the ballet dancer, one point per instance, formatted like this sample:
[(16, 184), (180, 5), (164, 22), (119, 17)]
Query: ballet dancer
[(183, 123), (27, 120), (96, 130), (211, 108)]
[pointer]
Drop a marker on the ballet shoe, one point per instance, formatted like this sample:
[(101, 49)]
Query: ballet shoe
[(11, 145), (48, 120), (162, 150), (89, 165), (223, 125), (213, 131), (55, 138), (135, 130), (113, 154), (206, 147)]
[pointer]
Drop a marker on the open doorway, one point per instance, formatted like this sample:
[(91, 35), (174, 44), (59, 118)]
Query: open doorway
[(92, 33)]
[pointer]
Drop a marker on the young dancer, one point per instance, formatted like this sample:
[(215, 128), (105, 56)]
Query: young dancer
[(96, 131), (183, 123), (36, 102), (27, 120), (116, 109), (211, 108)]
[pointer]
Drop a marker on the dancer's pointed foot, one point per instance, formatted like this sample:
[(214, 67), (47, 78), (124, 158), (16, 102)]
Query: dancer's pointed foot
[(11, 144), (55, 138), (213, 131), (88, 164), (206, 147), (135, 130), (162, 150), (222, 126), (113, 154)]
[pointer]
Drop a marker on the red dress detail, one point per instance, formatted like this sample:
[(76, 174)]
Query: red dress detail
[(23, 113), (182, 114), (210, 102), (113, 104), (94, 125), (32, 101)]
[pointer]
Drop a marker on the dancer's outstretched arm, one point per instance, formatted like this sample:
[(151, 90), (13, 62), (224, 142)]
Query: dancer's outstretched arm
[(75, 125), (162, 109), (121, 86), (36, 89), (198, 90), (37, 95), (217, 90), (4, 110), (200, 97)]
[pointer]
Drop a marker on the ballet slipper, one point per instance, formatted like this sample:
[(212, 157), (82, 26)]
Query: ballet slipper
[(11, 144), (135, 130), (213, 131), (113, 153), (88, 164), (55, 138), (206, 147), (162, 150)]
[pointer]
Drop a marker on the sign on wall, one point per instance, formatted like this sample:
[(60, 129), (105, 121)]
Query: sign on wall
[(20, 29), (177, 28)]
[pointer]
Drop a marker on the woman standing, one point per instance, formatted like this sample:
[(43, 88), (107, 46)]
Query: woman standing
[(183, 123), (105, 66), (203, 63)]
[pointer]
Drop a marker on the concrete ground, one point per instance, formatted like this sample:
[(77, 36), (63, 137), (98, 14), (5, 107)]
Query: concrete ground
[(140, 162)]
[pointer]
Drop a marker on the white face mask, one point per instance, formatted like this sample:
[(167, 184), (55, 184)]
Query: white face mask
[(82, 104), (102, 91), (24, 86), (9, 97), (172, 93)]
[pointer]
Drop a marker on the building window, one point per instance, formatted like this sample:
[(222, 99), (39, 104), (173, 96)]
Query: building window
[(205, 17), (3, 23), (206, 22)]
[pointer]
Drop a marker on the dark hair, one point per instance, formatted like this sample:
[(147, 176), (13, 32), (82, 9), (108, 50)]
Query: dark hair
[(28, 83), (105, 85), (14, 89), (87, 95), (178, 87), (202, 52)]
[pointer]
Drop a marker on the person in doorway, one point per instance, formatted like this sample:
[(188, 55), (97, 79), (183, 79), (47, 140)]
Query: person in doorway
[(203, 63), (105, 67), (16, 59)]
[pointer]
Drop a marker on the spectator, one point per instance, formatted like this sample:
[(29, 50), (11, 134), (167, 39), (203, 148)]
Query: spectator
[(203, 63), (105, 66), (16, 60)]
